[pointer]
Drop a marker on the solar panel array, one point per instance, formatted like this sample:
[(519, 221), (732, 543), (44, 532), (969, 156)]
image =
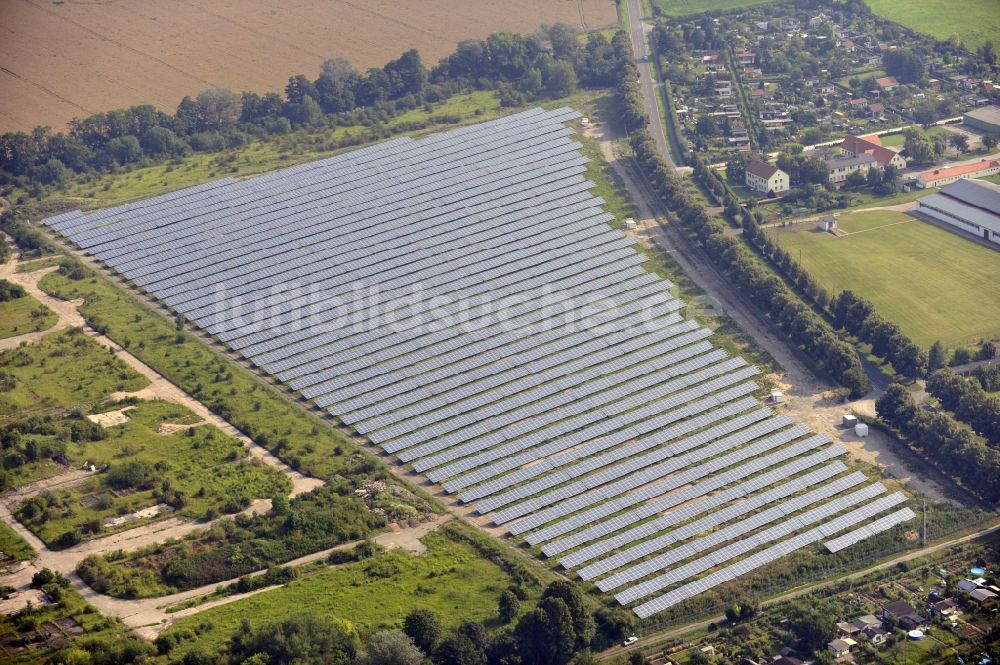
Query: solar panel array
[(462, 302)]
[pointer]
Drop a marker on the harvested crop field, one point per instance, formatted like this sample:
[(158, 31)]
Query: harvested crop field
[(73, 58)]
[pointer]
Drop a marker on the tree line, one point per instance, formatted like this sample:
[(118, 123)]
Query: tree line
[(550, 63), (968, 402), (796, 321), (946, 443), (858, 317)]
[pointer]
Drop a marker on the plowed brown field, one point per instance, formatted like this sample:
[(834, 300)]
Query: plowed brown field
[(59, 60)]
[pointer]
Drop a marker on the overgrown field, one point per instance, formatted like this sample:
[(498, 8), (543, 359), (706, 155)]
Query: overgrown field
[(24, 315), (14, 546), (231, 391), (686, 7), (198, 472), (931, 282), (973, 21), (452, 579), (65, 370)]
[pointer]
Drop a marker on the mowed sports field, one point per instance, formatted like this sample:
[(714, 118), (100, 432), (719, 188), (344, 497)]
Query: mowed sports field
[(74, 58), (934, 283), (974, 21)]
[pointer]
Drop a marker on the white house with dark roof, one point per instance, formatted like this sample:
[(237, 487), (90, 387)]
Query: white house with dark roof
[(765, 179)]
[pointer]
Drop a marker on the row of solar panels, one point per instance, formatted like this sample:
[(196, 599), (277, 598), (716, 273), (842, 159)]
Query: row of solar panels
[(537, 369)]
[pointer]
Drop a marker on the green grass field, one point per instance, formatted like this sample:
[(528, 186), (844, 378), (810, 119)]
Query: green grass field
[(14, 546), (974, 21), (24, 315), (64, 370), (686, 7), (451, 579), (202, 466), (931, 282)]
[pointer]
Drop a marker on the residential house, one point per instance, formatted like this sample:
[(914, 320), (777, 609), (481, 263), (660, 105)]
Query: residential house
[(840, 168), (968, 586), (840, 647), (982, 595), (859, 103), (901, 611), (847, 629), (867, 621), (765, 179), (876, 109), (944, 608), (849, 45), (855, 146), (875, 634), (887, 83)]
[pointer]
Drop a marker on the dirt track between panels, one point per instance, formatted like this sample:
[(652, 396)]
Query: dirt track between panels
[(74, 58)]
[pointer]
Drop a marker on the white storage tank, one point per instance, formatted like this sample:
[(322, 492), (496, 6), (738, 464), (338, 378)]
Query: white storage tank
[(861, 429)]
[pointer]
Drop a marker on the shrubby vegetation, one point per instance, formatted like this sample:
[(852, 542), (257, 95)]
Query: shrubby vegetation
[(10, 291), (968, 402), (949, 445), (317, 520)]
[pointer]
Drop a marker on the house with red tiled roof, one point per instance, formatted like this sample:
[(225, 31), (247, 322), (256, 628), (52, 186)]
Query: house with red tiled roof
[(763, 178), (887, 83), (855, 146)]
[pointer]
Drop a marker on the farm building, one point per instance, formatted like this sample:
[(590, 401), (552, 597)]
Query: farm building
[(766, 179), (986, 118), (970, 205), (855, 146), (947, 175)]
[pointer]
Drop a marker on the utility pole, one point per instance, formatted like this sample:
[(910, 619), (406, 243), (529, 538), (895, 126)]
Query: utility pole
[(923, 534)]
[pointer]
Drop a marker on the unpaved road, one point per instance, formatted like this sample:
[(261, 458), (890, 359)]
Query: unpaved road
[(808, 399), (159, 387)]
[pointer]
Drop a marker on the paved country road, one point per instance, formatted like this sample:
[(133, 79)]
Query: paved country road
[(647, 76)]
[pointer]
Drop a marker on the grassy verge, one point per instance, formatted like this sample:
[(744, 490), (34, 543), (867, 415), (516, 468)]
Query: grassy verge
[(452, 579), (24, 315), (197, 472), (65, 370)]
